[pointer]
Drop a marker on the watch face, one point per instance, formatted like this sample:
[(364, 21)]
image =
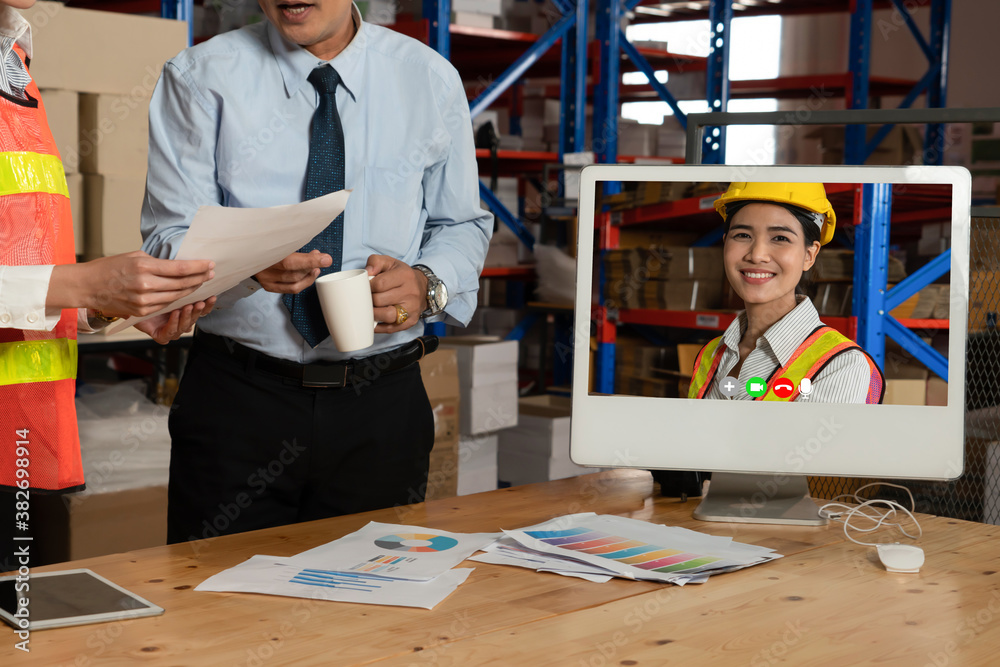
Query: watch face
[(440, 296)]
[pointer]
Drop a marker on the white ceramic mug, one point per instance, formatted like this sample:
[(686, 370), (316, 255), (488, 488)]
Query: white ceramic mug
[(346, 298)]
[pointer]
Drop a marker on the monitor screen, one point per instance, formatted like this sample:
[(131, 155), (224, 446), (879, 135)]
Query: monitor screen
[(772, 319)]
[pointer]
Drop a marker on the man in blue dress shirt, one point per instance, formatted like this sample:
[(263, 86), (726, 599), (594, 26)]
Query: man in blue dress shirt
[(255, 442)]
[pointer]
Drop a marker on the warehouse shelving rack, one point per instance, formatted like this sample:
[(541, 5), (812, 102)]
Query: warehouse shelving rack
[(870, 320)]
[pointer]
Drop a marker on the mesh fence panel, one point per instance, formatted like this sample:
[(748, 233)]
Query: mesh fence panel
[(975, 496)]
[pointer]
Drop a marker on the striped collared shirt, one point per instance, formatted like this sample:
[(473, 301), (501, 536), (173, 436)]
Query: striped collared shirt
[(14, 29), (844, 379)]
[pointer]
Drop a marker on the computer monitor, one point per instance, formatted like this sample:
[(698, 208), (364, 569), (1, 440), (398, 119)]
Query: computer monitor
[(672, 283)]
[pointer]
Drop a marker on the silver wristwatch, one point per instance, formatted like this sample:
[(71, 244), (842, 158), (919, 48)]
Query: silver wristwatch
[(437, 292)]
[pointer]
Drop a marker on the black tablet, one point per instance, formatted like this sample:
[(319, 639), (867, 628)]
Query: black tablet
[(70, 597)]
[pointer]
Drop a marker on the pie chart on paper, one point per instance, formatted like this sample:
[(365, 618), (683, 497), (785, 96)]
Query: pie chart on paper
[(416, 542)]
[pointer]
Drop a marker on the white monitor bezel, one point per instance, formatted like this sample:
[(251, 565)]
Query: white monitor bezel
[(886, 441)]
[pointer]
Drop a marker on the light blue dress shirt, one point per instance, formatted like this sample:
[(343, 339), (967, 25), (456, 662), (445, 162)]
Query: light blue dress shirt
[(229, 125)]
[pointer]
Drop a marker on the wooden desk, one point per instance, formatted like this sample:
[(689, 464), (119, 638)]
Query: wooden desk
[(828, 602)]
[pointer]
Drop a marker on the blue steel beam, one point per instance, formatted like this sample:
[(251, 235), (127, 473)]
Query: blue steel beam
[(521, 65), (523, 327), (911, 24), (640, 61), (605, 138), (937, 94), (918, 280), (858, 60), (573, 85), (918, 89), (871, 261), (604, 383), (438, 15), (506, 217), (720, 17), (182, 10), (920, 350)]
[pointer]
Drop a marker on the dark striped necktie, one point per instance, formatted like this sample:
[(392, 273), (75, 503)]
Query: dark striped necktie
[(325, 174)]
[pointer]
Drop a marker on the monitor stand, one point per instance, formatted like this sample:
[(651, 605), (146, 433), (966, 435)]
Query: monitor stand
[(743, 498)]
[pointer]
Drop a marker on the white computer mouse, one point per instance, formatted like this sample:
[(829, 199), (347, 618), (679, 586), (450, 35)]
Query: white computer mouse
[(901, 557)]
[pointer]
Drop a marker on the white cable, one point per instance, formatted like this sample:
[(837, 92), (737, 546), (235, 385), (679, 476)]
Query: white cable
[(835, 510)]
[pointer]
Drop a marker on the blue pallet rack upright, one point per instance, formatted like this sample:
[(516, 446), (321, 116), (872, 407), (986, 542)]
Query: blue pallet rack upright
[(872, 297)]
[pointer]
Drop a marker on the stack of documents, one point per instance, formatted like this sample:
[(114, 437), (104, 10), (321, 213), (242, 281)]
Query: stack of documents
[(389, 564), (598, 547)]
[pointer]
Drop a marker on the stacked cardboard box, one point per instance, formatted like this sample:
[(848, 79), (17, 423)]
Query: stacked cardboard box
[(537, 449), (664, 277), (62, 108), (440, 374), (835, 264), (647, 193), (640, 369), (903, 145), (487, 374), (80, 51)]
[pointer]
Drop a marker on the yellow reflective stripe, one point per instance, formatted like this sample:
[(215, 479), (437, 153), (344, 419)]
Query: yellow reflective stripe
[(802, 364), (25, 361), (32, 172), (701, 373)]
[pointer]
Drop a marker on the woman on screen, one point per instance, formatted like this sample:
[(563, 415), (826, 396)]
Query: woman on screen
[(773, 233)]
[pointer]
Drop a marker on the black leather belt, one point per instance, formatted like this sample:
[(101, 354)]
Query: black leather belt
[(331, 374)]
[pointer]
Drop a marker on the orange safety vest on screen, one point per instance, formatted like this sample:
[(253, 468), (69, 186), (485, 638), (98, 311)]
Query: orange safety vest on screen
[(37, 368), (812, 355)]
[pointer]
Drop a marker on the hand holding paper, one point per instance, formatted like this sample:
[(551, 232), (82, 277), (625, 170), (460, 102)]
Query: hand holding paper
[(245, 241)]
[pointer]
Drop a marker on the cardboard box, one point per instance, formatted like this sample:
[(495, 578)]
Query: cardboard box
[(905, 392), (663, 263), (74, 183), (100, 52), (937, 391), (62, 109), (440, 375), (112, 207), (903, 145), (87, 525), (114, 134), (687, 354), (666, 294)]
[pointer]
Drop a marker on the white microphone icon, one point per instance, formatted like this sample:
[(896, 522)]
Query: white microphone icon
[(805, 386)]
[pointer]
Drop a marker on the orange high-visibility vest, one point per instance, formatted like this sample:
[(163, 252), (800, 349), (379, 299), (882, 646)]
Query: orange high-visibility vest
[(39, 441), (812, 355)]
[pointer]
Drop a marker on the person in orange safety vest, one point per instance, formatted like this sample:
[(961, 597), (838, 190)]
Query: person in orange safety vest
[(45, 295), (773, 234)]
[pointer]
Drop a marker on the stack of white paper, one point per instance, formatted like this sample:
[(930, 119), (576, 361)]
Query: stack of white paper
[(613, 546), (382, 563)]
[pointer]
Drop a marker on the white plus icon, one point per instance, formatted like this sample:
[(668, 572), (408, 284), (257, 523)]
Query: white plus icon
[(728, 388)]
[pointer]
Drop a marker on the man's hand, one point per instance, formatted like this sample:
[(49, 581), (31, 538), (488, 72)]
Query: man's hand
[(396, 283), (132, 284), (169, 326), (294, 273)]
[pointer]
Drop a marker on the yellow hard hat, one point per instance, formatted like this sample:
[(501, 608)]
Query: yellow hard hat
[(810, 196)]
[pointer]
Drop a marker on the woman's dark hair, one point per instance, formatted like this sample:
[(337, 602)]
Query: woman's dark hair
[(810, 230)]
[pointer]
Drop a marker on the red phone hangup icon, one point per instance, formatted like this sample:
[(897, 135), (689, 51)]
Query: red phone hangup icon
[(783, 388)]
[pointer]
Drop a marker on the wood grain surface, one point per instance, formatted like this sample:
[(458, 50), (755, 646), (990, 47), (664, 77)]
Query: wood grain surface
[(827, 602)]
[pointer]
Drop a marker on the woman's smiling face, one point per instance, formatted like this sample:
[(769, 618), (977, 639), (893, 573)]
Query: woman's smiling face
[(765, 253)]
